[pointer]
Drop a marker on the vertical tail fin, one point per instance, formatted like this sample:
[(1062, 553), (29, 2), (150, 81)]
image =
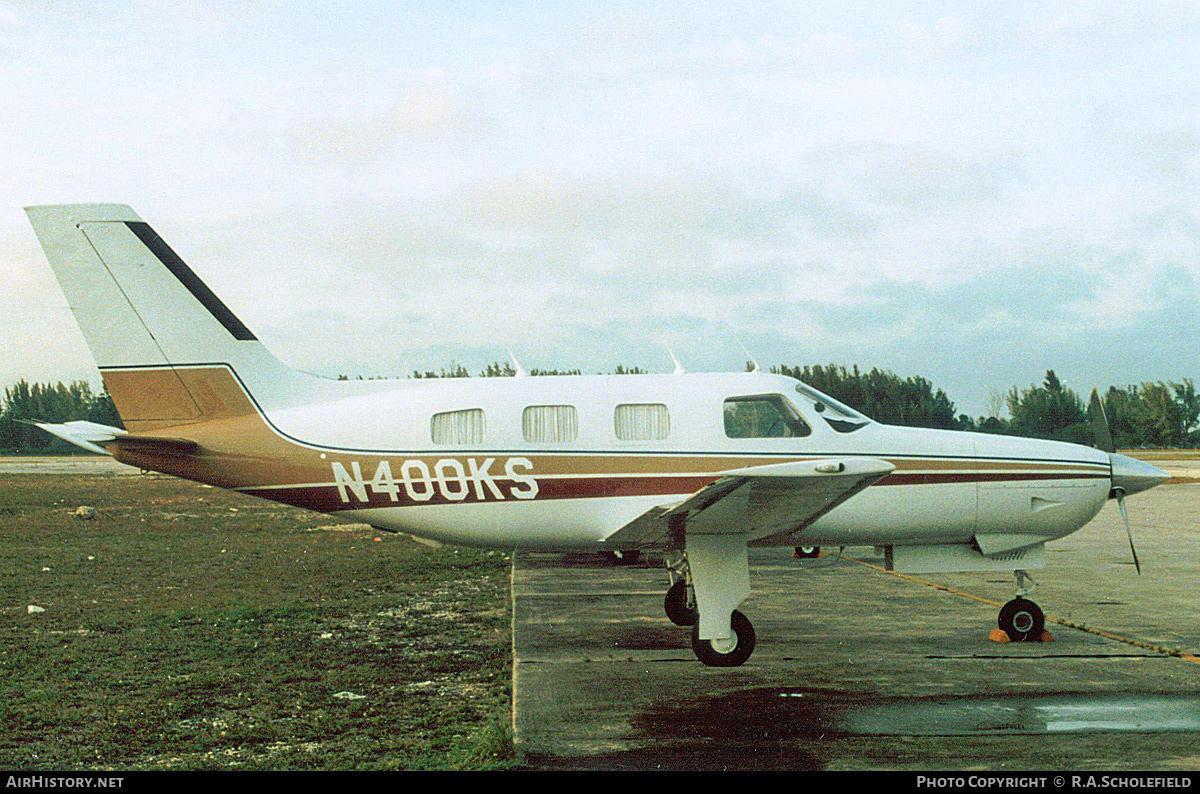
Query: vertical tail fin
[(147, 317)]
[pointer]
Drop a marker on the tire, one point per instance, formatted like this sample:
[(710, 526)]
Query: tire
[(1022, 620), (743, 632), (676, 606)]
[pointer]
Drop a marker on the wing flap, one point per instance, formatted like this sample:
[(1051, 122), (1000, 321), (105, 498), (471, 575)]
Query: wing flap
[(646, 530)]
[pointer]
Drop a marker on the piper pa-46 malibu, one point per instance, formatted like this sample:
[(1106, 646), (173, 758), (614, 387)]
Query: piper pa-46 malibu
[(701, 466)]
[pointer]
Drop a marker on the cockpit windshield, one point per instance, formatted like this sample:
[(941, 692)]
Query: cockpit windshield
[(841, 418)]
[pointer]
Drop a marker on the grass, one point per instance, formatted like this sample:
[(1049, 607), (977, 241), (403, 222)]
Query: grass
[(191, 628)]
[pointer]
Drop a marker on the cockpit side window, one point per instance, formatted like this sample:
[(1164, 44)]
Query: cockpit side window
[(763, 416), (841, 418)]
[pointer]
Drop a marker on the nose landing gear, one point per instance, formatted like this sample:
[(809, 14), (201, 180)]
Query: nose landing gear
[(1021, 619)]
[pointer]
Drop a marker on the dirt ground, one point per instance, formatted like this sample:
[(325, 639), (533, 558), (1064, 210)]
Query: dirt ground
[(185, 627)]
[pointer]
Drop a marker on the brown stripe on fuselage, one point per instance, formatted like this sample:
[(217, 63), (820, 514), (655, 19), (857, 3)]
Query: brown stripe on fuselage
[(239, 450), (968, 476), (936, 464), (327, 498)]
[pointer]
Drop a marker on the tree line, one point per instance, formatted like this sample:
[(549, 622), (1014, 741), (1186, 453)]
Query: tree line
[(46, 402), (1157, 414), (1147, 415)]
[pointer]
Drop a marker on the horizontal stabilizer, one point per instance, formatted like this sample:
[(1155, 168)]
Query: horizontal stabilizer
[(90, 436), (83, 434)]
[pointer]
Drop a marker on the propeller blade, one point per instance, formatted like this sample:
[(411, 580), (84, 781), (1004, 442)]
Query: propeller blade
[(1128, 531), (1100, 428)]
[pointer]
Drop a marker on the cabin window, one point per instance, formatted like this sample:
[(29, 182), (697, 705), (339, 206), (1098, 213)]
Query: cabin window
[(458, 427), (642, 421), (763, 416), (550, 423)]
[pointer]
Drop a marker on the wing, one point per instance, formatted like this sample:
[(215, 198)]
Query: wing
[(764, 503)]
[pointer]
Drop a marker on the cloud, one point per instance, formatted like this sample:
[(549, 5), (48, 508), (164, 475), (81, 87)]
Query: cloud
[(9, 17), (946, 35), (391, 188)]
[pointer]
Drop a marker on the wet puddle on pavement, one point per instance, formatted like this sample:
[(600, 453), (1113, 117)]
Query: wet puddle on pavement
[(779, 713), (972, 716)]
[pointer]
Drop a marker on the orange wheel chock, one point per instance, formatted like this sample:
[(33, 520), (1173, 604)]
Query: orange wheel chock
[(999, 635)]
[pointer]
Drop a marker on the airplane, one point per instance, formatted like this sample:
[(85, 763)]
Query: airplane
[(700, 466)]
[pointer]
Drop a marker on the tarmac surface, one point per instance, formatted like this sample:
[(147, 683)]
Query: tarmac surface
[(856, 668), (63, 464)]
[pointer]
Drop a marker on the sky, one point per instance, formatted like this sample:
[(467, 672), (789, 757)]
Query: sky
[(969, 193)]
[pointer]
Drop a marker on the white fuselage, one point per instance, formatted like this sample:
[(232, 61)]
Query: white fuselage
[(494, 486)]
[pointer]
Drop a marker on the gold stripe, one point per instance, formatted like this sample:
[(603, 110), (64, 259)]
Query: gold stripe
[(239, 449)]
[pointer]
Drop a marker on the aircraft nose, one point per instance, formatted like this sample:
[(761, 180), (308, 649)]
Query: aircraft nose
[(1131, 475)]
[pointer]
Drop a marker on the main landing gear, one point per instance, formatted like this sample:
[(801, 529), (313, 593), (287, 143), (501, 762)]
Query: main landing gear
[(680, 604), (1021, 619), (730, 652), (718, 588)]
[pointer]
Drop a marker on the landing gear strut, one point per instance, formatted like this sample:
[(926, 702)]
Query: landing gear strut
[(708, 581), (1021, 619)]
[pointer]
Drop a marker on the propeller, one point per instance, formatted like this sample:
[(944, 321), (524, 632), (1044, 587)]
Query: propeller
[(1100, 429), (1128, 531), (1104, 442)]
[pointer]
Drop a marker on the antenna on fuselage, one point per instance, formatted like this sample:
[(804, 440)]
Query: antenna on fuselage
[(521, 373), (749, 357), (679, 370)]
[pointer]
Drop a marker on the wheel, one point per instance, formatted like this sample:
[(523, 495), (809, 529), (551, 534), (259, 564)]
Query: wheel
[(677, 607), (1022, 620), (803, 552), (737, 649)]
